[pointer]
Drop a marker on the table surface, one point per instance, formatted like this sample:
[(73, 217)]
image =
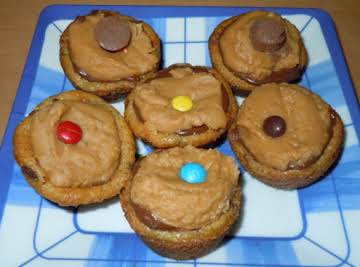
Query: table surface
[(18, 20)]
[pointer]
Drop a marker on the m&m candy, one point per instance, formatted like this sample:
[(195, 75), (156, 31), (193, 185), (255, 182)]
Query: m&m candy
[(68, 132), (193, 173), (274, 126), (182, 103)]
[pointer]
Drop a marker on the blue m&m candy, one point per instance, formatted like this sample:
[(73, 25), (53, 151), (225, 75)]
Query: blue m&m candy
[(193, 173)]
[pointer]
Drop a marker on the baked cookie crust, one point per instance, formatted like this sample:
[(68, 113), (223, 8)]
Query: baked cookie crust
[(182, 245), (292, 178), (63, 196), (238, 84), (109, 91), (166, 140)]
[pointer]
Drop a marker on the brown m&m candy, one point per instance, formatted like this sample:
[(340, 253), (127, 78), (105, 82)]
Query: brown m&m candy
[(274, 126), (267, 34), (112, 33)]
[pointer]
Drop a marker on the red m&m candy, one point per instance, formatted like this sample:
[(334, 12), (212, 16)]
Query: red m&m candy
[(68, 132)]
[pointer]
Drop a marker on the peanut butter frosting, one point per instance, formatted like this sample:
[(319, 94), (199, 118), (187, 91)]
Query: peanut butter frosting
[(97, 64), (153, 101), (242, 58), (308, 126), (93, 160), (158, 188)]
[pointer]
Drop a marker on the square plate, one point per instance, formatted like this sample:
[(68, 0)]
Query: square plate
[(315, 226)]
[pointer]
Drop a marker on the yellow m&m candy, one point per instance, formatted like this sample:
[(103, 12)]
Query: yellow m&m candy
[(182, 103)]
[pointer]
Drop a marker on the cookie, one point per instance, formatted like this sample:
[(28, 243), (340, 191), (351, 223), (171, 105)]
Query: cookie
[(107, 54), (286, 136), (183, 201), (181, 105), (75, 149), (256, 48)]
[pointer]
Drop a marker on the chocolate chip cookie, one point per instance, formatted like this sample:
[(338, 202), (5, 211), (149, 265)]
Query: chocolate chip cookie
[(183, 201), (181, 105), (257, 48), (107, 54), (286, 136), (75, 149)]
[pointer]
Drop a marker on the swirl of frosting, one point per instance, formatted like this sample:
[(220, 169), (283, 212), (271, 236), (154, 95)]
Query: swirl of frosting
[(308, 125), (93, 160), (153, 101), (241, 57), (158, 188), (101, 65)]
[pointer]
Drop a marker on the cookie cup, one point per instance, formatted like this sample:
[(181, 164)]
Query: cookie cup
[(69, 196), (167, 140), (292, 178), (183, 245), (238, 84), (108, 90)]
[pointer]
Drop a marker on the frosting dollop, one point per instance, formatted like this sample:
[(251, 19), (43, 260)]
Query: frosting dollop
[(91, 161), (158, 188), (153, 100), (243, 58), (308, 126), (100, 65)]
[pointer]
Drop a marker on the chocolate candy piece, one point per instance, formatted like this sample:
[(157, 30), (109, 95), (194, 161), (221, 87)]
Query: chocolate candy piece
[(274, 126), (267, 34), (284, 75), (193, 130), (193, 173), (146, 217), (29, 172), (112, 33), (68, 132)]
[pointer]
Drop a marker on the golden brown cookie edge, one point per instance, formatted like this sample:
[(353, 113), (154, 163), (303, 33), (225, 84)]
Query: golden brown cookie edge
[(183, 245), (240, 86), (291, 179), (74, 196), (109, 91), (164, 140)]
